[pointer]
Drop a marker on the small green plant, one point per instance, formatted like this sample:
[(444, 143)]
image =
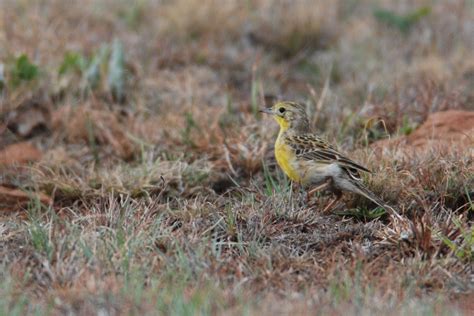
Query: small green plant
[(407, 127), (463, 249), (39, 231), (190, 125), (2, 77), (273, 185), (116, 71), (403, 22), (23, 70), (363, 214), (92, 74), (72, 62), (105, 69), (374, 129), (39, 238)]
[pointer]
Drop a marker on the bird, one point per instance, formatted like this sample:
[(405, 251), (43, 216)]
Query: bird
[(311, 161)]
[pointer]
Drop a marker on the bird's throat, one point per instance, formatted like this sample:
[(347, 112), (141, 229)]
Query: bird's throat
[(284, 124)]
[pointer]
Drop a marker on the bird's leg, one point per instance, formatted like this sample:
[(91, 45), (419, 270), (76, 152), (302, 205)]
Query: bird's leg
[(336, 199), (298, 192), (295, 191), (310, 193), (320, 187), (303, 195)]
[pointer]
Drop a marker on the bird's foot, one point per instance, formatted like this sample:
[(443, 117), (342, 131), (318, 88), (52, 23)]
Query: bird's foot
[(332, 205)]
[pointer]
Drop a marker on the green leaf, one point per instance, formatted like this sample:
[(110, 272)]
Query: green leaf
[(363, 213), (92, 74), (402, 22), (116, 70), (190, 126), (2, 77), (72, 62), (23, 70), (407, 127)]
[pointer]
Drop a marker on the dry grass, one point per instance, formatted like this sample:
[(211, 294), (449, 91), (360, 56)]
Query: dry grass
[(166, 196)]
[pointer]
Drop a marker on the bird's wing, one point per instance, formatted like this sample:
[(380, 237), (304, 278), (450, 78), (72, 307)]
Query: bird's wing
[(312, 147)]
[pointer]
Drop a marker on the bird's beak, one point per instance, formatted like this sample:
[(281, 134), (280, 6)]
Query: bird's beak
[(267, 110)]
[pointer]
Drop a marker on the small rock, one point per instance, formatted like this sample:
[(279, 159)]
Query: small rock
[(29, 119), (442, 131), (14, 199), (19, 154)]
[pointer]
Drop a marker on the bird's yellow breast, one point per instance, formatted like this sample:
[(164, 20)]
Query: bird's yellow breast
[(286, 159)]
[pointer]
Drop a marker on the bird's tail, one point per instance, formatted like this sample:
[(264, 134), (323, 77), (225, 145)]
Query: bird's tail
[(368, 194), (362, 190)]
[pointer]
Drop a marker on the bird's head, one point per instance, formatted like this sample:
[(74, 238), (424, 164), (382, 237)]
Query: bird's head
[(289, 115)]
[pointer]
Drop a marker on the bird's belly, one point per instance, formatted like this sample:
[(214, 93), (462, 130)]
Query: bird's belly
[(286, 159), (317, 173)]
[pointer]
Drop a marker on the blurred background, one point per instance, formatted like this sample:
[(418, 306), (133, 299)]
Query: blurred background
[(159, 69)]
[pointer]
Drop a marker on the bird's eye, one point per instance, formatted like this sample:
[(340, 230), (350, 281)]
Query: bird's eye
[(281, 110)]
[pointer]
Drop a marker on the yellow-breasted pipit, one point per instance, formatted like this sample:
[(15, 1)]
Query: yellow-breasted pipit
[(311, 161)]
